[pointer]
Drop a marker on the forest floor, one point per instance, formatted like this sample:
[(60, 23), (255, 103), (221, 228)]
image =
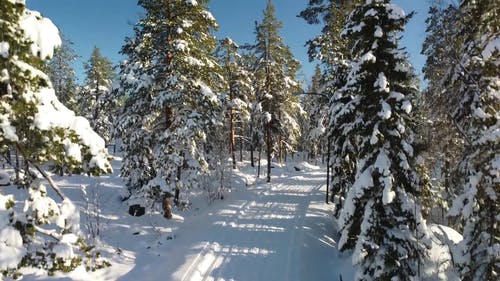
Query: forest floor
[(281, 230)]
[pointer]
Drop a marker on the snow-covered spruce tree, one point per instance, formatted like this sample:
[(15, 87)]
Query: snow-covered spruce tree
[(238, 90), (170, 84), (44, 233), (382, 210), (134, 123), (477, 79), (62, 74), (95, 99), (333, 51), (443, 142), (278, 69)]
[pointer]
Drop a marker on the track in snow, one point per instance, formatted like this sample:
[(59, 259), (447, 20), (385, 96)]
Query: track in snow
[(276, 231)]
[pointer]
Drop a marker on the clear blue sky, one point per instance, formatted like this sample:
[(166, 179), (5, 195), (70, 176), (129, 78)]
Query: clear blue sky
[(105, 23)]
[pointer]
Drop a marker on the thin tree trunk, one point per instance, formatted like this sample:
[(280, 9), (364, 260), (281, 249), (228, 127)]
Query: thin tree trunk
[(252, 144), (328, 155), (269, 151), (258, 166), (280, 143), (17, 165), (241, 148), (177, 191), (231, 135)]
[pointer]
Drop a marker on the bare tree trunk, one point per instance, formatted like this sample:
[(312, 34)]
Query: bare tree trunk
[(241, 148), (269, 151), (258, 166), (280, 143), (167, 207), (252, 144), (177, 191), (17, 165), (231, 135), (328, 154)]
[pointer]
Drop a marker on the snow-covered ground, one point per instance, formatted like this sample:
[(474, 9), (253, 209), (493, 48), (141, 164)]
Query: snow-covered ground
[(264, 231), (281, 230)]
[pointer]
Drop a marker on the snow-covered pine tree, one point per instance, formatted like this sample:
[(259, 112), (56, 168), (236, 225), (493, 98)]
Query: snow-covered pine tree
[(134, 123), (277, 68), (381, 213), (62, 74), (255, 130), (313, 122), (177, 75), (444, 143), (238, 90), (333, 51), (45, 232), (95, 99), (478, 82)]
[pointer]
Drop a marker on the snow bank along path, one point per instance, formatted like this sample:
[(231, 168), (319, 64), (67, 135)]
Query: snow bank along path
[(276, 231)]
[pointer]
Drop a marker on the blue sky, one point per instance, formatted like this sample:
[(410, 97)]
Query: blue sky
[(105, 23)]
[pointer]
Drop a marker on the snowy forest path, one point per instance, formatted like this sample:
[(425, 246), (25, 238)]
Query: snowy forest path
[(270, 231)]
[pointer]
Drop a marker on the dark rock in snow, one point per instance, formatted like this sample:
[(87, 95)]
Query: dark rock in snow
[(136, 210)]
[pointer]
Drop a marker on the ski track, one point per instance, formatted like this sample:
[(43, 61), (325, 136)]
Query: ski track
[(262, 236)]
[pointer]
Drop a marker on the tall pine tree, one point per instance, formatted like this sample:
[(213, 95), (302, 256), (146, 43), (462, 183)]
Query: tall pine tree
[(62, 74), (238, 90), (443, 141), (333, 51), (168, 77), (95, 100), (277, 69)]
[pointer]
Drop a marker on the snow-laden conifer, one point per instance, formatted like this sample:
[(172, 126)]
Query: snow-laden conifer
[(443, 142), (238, 91), (477, 79), (277, 68), (45, 232), (167, 83), (62, 74), (381, 215), (333, 51), (95, 100)]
